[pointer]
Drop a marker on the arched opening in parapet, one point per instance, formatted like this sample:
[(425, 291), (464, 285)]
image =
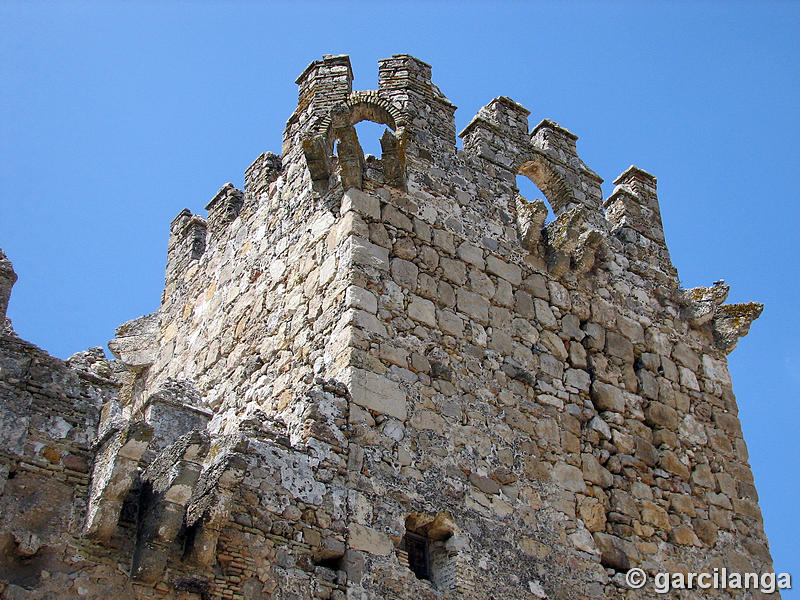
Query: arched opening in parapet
[(369, 136), (368, 146), (553, 188), (371, 122), (531, 192)]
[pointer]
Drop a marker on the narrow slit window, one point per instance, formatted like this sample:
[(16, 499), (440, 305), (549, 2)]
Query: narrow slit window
[(418, 555)]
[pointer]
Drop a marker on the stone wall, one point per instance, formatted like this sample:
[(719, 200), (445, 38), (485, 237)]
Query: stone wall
[(355, 357)]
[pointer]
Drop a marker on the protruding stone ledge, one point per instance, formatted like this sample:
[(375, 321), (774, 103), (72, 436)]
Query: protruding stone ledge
[(732, 321), (136, 342), (700, 303), (116, 466), (169, 483)]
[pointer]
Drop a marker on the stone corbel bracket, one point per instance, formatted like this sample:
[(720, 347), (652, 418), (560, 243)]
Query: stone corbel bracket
[(174, 409), (531, 216), (135, 342), (729, 322), (210, 505), (116, 466), (7, 279), (700, 303), (168, 486), (570, 242), (732, 321)]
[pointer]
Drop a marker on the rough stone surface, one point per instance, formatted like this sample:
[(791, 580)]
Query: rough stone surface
[(355, 352)]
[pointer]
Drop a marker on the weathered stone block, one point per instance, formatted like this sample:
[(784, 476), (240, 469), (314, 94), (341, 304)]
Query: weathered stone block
[(473, 305), (368, 540), (568, 477), (362, 203), (661, 415), (607, 397), (375, 392), (508, 271)]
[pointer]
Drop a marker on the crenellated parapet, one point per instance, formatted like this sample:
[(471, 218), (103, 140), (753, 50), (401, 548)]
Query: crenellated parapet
[(573, 184), (135, 342), (187, 243), (323, 85), (259, 175), (223, 208), (499, 133), (635, 217), (322, 126), (405, 81), (548, 156)]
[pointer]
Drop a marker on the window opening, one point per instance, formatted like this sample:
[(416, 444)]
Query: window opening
[(530, 191), (369, 136), (418, 555)]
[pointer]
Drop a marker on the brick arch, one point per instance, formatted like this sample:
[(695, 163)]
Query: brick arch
[(538, 168), (362, 106), (339, 125), (369, 106)]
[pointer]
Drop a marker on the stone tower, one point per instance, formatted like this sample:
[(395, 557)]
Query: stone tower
[(386, 378)]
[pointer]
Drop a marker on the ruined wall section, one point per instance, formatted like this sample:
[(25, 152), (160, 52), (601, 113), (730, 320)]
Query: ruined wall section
[(49, 412)]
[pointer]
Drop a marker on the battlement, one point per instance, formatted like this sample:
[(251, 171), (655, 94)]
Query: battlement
[(389, 378)]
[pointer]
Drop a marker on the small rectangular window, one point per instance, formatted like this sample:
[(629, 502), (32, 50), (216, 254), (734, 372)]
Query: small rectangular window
[(418, 558)]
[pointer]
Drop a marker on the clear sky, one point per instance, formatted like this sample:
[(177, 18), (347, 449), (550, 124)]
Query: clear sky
[(115, 116)]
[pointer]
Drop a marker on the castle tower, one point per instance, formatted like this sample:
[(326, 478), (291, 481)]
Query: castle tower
[(388, 379)]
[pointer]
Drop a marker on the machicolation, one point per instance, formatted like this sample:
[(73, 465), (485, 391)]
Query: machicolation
[(388, 378)]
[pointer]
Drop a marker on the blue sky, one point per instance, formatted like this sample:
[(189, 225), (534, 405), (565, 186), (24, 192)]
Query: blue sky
[(115, 116)]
